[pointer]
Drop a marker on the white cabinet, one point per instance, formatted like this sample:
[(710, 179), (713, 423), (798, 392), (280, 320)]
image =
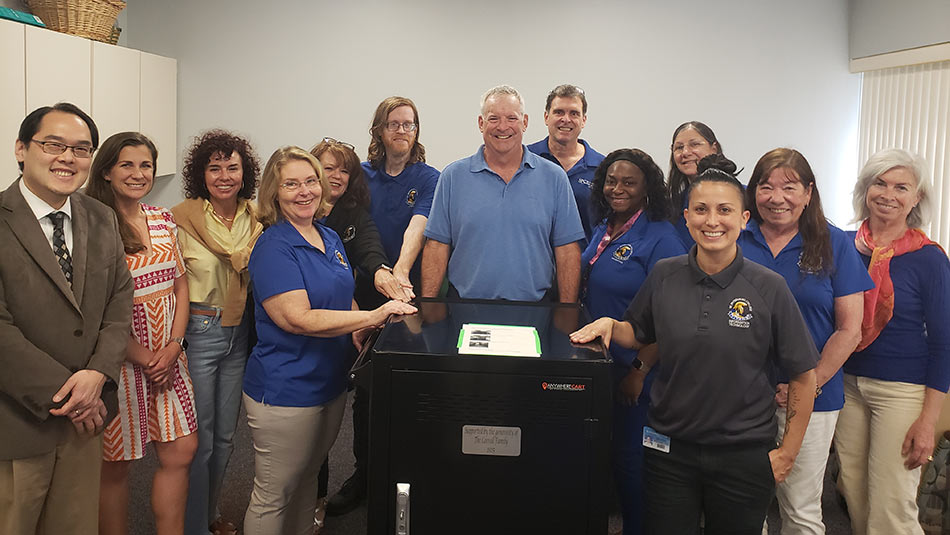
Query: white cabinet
[(115, 88), (12, 95), (57, 69), (159, 101), (122, 89)]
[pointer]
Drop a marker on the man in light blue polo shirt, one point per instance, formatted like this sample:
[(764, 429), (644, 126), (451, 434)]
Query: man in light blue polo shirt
[(503, 221), (565, 114)]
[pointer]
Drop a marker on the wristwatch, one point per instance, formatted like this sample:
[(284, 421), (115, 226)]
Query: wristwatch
[(181, 341), (638, 364)]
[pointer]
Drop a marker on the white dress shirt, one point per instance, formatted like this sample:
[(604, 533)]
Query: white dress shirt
[(41, 210)]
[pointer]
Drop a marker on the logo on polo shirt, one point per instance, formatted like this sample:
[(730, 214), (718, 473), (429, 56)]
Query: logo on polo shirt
[(339, 258), (623, 253), (348, 234), (588, 183), (740, 312), (411, 197)]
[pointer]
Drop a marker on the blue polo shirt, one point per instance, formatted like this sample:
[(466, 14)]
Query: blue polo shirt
[(395, 199), (581, 177), (503, 235), (814, 294), (291, 370), (616, 277)]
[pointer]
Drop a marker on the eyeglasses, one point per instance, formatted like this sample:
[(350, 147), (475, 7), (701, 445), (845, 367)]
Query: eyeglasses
[(393, 126), (57, 148), (294, 185), (331, 141), (693, 146)]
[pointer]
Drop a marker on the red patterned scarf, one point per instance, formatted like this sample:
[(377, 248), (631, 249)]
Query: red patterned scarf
[(879, 301)]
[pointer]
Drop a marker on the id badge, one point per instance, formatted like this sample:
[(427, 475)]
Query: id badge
[(654, 440)]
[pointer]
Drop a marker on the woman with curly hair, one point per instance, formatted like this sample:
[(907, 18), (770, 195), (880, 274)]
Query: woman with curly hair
[(156, 402), (630, 200), (220, 228)]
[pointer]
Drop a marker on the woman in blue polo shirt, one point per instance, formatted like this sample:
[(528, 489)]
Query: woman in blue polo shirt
[(295, 382), (629, 199), (692, 141), (789, 234)]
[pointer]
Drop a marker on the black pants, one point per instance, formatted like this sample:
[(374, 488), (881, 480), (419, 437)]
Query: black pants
[(731, 485)]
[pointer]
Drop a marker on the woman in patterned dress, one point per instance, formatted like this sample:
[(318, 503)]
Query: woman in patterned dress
[(156, 401)]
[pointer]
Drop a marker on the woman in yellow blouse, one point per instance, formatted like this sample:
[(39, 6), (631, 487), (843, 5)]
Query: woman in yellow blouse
[(220, 227)]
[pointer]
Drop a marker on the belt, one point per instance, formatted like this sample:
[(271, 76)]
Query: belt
[(205, 312)]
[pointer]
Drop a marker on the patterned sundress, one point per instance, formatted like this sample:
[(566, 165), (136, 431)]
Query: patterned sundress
[(145, 414)]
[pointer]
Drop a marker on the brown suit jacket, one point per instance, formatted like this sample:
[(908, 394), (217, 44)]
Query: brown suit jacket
[(49, 331)]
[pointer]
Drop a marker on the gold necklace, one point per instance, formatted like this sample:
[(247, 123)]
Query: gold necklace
[(219, 216)]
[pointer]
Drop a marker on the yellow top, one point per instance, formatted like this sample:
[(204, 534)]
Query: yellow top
[(208, 274)]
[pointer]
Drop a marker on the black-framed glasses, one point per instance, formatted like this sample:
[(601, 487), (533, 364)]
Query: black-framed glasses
[(332, 141), (57, 148), (393, 126)]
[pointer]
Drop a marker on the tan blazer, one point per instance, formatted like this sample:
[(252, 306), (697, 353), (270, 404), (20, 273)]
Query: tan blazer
[(49, 331)]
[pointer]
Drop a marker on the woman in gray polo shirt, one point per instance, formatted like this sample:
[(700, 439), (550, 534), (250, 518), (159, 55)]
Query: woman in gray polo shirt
[(722, 325)]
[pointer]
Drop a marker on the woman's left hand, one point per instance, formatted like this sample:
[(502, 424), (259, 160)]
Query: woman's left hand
[(918, 444), (159, 370)]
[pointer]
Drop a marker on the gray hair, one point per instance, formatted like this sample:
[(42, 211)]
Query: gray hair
[(882, 162), (501, 90)]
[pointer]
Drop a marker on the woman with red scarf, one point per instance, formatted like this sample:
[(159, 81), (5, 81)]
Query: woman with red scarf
[(894, 384)]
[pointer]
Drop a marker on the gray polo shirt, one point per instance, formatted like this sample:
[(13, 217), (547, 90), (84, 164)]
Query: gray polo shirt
[(720, 338)]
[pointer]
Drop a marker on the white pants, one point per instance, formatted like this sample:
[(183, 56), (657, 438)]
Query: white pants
[(290, 444), (881, 493), (799, 496)]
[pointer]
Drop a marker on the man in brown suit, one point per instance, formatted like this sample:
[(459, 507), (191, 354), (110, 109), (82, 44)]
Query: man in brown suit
[(65, 313)]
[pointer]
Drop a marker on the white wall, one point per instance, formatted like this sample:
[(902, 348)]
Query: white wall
[(882, 26), (762, 74)]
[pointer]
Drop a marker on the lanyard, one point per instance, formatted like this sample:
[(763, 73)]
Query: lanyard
[(605, 241)]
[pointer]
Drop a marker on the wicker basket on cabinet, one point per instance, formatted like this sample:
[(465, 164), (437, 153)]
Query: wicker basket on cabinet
[(93, 19)]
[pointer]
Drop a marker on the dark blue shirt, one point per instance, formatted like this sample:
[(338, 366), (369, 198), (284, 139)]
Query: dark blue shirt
[(814, 293), (581, 177), (395, 199), (616, 276), (914, 347), (291, 370), (680, 225)]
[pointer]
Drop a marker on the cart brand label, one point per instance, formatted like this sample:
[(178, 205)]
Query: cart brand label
[(564, 387), (491, 440)]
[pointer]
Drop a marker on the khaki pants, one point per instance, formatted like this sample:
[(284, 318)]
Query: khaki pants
[(290, 444), (56, 492), (881, 493)]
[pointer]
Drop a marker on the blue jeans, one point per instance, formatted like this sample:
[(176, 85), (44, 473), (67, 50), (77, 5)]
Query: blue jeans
[(216, 359)]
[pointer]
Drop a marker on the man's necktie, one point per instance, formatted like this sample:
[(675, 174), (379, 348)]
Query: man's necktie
[(59, 246)]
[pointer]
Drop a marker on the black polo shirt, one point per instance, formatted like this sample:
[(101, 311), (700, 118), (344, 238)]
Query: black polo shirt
[(720, 338)]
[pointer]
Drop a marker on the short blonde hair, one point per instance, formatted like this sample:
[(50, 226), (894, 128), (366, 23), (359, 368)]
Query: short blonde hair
[(269, 212), (883, 161)]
